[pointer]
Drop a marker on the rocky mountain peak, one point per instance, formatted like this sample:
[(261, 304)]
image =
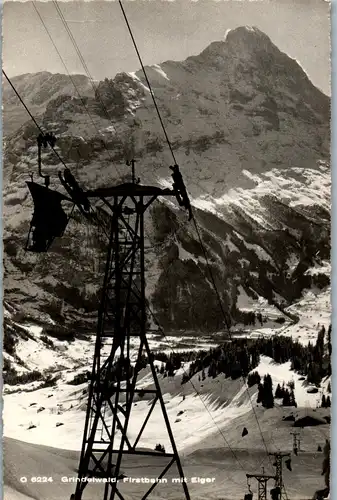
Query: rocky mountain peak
[(250, 38), (248, 130), (249, 61), (244, 40), (242, 43)]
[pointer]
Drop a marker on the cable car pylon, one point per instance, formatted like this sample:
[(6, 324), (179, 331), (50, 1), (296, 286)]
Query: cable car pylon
[(279, 492), (296, 442), (121, 317), (262, 480)]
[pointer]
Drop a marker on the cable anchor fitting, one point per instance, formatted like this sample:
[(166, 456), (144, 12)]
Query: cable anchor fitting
[(43, 140), (180, 190)]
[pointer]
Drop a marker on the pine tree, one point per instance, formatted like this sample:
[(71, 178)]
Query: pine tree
[(323, 402), (278, 392), (170, 369), (244, 362), (292, 398), (314, 376), (286, 398), (328, 402), (329, 388), (323, 333), (291, 385), (253, 378), (268, 401), (260, 394)]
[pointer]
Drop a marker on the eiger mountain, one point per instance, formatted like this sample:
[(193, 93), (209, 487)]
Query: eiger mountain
[(252, 137)]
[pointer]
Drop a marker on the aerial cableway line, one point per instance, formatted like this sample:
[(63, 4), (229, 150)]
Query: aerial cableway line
[(185, 202), (121, 316)]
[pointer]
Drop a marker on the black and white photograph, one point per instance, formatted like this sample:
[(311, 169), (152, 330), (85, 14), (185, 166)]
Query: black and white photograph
[(167, 330)]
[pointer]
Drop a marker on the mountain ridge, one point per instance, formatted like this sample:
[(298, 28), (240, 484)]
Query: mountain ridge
[(245, 169)]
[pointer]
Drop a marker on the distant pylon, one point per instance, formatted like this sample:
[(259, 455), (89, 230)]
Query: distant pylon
[(278, 464), (296, 442), (262, 480)]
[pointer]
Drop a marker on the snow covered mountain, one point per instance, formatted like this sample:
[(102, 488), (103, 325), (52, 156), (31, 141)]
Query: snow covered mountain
[(251, 135)]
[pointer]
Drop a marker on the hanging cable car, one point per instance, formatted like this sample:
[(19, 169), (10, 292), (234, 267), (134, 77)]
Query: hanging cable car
[(249, 495), (49, 219), (275, 493), (288, 464)]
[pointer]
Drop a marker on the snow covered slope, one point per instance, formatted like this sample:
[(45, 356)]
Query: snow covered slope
[(207, 429), (50, 412), (229, 474), (55, 398), (56, 414)]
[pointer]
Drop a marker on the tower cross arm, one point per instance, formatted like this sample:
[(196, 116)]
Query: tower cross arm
[(128, 189), (260, 476)]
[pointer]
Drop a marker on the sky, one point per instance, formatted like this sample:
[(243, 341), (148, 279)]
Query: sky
[(164, 30)]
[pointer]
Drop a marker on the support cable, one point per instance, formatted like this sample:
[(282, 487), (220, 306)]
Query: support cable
[(227, 323), (192, 384), (228, 326), (31, 116), (147, 81), (92, 212), (79, 53), (72, 81)]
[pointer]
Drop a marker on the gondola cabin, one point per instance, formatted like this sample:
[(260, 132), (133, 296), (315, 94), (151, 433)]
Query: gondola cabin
[(49, 219)]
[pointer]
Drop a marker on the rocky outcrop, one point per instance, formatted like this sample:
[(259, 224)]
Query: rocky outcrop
[(251, 135)]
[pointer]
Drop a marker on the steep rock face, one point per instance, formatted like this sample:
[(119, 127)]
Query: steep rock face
[(38, 90), (251, 134)]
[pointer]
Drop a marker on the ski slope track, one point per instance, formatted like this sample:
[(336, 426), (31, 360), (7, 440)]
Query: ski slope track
[(252, 137)]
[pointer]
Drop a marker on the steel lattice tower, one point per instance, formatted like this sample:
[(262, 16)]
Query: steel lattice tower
[(296, 442), (122, 316), (262, 480), (279, 456)]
